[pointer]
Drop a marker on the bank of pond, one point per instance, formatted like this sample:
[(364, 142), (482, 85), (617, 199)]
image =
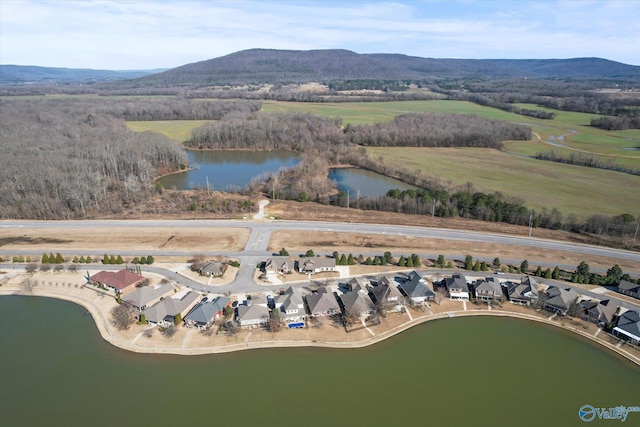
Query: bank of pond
[(57, 370), (236, 169)]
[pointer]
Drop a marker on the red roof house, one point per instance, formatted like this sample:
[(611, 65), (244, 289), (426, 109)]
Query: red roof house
[(122, 281)]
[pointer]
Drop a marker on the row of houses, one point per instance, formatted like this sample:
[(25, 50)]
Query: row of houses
[(305, 265)]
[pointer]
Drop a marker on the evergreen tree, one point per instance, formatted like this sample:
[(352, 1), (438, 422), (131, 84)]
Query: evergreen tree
[(538, 272), (309, 253), (387, 258), (52, 258), (283, 252), (409, 262), (556, 273), (335, 255), (496, 262), (483, 266), (59, 259), (143, 260), (377, 261), (476, 266), (547, 273), (402, 262), (468, 262), (75, 259), (416, 260), (614, 275), (440, 261), (81, 260), (105, 259), (343, 260), (368, 261), (119, 260), (112, 260), (350, 260), (136, 260), (45, 259), (177, 319), (88, 260), (150, 260), (524, 266), (143, 318)]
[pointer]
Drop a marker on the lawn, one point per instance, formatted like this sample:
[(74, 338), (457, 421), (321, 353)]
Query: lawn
[(178, 130), (572, 189)]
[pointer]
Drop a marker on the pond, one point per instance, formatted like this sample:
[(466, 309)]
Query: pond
[(56, 370), (225, 169), (365, 183)]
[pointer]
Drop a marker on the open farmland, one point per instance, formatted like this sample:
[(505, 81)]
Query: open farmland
[(178, 130), (572, 189), (609, 145)]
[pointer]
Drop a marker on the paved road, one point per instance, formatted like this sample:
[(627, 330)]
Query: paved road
[(256, 247)]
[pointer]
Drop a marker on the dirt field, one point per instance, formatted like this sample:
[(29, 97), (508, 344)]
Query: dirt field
[(126, 239)]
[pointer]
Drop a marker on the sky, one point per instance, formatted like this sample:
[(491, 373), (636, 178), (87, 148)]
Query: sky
[(150, 34)]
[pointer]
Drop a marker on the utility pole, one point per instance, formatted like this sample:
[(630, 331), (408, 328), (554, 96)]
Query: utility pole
[(433, 208), (530, 223), (208, 193), (636, 233), (347, 199)]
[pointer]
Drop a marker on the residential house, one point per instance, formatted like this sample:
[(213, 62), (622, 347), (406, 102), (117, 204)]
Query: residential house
[(629, 288), (251, 316), (322, 303), (387, 297), (628, 327), (121, 282), (279, 265), (457, 287), (316, 265), (290, 306), (146, 296), (164, 312), (357, 303), (358, 284), (523, 293), (601, 313), (213, 268), (416, 289), (489, 289), (205, 313), (560, 299), (257, 299)]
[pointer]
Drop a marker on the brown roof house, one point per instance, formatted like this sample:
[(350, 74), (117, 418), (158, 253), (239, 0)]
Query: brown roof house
[(523, 293), (387, 297), (213, 269), (599, 312), (121, 282), (358, 304), (560, 299), (489, 289), (279, 265)]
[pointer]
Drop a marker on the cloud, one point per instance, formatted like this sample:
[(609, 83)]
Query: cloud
[(154, 34)]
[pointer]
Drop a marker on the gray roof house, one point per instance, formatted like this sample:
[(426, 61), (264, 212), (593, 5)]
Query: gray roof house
[(523, 293), (357, 303), (279, 265), (290, 305), (560, 299), (358, 284), (599, 312), (146, 296), (489, 289), (457, 287), (628, 327), (251, 316), (316, 265), (322, 303), (203, 314), (387, 297), (629, 288), (213, 268), (164, 312), (415, 287)]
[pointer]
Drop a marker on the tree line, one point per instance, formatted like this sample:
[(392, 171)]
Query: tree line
[(584, 159)]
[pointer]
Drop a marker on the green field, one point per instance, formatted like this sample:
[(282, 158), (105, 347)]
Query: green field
[(600, 143), (178, 130), (572, 189)]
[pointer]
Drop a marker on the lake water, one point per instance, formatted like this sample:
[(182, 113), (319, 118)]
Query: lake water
[(365, 183), (56, 370), (228, 169)]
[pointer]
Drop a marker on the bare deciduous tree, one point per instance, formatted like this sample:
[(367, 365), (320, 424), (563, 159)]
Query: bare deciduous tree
[(122, 316)]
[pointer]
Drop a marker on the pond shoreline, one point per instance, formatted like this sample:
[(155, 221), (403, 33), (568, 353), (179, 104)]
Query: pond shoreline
[(115, 338)]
